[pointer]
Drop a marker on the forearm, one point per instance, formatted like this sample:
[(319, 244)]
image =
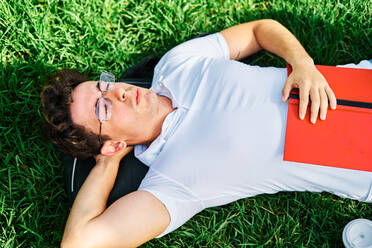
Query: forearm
[(91, 200), (275, 38), (248, 38)]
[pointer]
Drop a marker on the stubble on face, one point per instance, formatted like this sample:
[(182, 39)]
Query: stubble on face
[(133, 122)]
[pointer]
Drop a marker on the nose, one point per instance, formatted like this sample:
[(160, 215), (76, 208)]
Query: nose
[(120, 93)]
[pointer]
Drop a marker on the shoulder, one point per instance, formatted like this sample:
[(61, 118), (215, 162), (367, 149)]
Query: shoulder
[(179, 201), (212, 46)]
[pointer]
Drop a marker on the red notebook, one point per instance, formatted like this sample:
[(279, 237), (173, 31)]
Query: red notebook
[(344, 139)]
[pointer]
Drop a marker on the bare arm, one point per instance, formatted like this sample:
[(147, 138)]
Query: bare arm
[(128, 222), (248, 38)]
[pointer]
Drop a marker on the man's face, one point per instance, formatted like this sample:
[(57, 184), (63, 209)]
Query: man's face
[(134, 111)]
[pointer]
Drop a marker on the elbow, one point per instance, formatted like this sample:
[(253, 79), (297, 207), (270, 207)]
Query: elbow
[(66, 244), (76, 241), (268, 22), (82, 239), (70, 238), (69, 243), (75, 244)]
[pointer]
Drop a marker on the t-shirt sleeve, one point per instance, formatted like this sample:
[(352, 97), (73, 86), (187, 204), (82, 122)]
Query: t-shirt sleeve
[(209, 46), (179, 201)]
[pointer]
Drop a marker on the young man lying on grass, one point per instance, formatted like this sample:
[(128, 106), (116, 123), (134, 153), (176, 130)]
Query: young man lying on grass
[(211, 129)]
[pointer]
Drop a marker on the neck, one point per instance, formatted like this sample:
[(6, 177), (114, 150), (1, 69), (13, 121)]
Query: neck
[(165, 108)]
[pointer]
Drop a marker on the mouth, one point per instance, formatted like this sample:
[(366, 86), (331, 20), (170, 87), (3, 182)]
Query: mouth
[(138, 96)]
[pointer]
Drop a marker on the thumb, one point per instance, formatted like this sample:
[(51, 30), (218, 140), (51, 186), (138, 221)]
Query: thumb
[(285, 91)]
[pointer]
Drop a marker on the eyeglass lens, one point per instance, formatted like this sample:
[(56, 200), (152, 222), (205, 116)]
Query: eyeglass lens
[(106, 81), (104, 106), (103, 109)]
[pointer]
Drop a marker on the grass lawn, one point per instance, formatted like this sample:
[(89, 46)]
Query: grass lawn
[(38, 37)]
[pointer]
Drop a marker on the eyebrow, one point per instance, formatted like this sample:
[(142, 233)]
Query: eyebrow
[(96, 104)]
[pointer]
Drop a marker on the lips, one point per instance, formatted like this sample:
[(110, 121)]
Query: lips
[(138, 95)]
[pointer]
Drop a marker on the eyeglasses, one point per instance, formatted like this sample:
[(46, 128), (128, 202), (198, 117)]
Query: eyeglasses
[(104, 106)]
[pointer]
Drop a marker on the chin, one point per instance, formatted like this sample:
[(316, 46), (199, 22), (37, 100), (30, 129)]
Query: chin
[(154, 99)]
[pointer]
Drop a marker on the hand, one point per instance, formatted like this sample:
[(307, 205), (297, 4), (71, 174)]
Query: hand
[(114, 158), (311, 82)]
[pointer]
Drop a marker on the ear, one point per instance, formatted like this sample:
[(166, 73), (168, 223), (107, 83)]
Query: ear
[(113, 147)]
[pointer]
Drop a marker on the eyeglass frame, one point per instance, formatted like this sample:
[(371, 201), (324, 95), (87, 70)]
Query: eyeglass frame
[(105, 100)]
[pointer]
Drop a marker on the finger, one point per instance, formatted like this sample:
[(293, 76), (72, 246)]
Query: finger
[(315, 103), (286, 90), (323, 104), (331, 97), (304, 100)]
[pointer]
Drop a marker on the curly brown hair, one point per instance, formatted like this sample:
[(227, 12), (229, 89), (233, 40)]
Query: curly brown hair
[(66, 136)]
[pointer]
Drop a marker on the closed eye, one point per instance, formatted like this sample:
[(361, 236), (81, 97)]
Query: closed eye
[(106, 107), (97, 110)]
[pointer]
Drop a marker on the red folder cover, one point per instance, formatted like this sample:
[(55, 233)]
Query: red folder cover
[(344, 139)]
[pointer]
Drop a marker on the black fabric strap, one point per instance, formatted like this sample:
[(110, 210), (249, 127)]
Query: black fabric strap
[(366, 105)]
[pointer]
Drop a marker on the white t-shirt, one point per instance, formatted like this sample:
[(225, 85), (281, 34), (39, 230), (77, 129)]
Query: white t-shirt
[(225, 140)]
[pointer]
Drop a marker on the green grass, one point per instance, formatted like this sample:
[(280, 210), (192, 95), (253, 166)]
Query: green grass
[(38, 37)]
